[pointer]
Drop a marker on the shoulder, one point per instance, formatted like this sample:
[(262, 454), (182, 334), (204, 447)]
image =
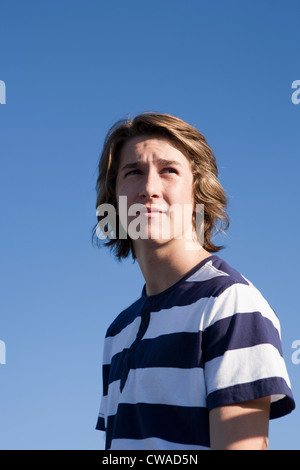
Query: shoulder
[(228, 293), (215, 276)]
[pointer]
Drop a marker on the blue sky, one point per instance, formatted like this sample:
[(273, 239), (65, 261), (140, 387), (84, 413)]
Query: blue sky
[(71, 69)]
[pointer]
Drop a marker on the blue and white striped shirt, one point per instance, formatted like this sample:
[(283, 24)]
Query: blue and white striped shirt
[(209, 340)]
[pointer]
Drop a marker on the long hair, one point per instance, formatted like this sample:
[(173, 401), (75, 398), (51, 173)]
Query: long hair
[(186, 138)]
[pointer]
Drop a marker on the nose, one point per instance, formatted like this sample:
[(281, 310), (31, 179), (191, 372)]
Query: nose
[(150, 185)]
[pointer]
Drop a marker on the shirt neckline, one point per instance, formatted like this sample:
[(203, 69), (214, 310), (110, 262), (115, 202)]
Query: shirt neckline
[(181, 280)]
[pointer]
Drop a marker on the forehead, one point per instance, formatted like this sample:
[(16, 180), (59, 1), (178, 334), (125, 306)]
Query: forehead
[(145, 148)]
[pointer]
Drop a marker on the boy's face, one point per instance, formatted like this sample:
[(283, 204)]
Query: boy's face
[(157, 180)]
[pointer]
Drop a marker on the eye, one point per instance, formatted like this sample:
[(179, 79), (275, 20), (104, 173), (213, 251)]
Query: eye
[(170, 170), (133, 172)]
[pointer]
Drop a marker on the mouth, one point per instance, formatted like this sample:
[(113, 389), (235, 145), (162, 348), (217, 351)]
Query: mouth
[(152, 211)]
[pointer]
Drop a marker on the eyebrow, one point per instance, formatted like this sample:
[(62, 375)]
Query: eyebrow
[(159, 161)]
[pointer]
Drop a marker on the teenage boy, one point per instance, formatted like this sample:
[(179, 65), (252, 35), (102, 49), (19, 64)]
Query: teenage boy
[(196, 361)]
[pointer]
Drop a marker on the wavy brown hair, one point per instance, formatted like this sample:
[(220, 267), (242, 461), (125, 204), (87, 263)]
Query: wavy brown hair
[(186, 138)]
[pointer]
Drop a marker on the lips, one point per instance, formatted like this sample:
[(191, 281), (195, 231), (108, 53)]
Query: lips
[(149, 211), (152, 211)]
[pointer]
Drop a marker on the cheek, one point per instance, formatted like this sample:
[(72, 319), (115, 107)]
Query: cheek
[(124, 197), (189, 190), (126, 192), (121, 189), (182, 192)]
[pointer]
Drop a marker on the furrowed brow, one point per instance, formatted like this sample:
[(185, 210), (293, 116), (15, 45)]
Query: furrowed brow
[(130, 166), (164, 162), (159, 161)]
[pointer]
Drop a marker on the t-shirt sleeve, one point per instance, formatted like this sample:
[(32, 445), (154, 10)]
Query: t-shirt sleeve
[(100, 425), (101, 420), (242, 352)]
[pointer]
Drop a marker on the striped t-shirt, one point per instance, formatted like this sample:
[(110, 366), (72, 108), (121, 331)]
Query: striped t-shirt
[(209, 340)]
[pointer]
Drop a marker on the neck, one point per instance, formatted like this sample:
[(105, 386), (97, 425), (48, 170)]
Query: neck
[(164, 265)]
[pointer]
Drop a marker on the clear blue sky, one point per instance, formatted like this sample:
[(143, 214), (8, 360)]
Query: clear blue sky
[(71, 69)]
